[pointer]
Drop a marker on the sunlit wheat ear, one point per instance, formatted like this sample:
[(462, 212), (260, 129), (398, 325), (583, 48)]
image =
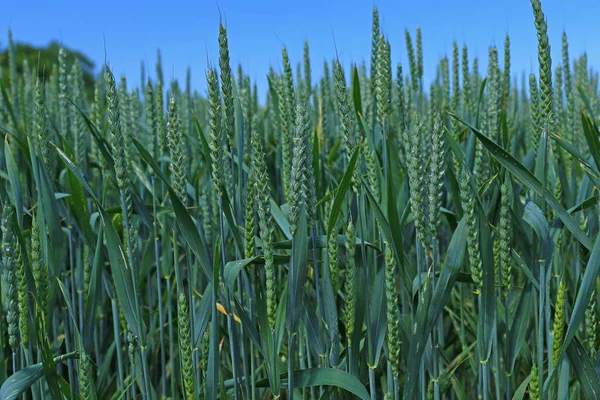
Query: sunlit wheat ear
[(350, 283), (591, 325), (443, 94), (77, 121), (332, 251), (505, 232), (161, 137), (418, 184), (204, 350), (419, 40), (375, 37), (217, 141), (150, 115), (436, 174), (175, 143), (307, 73), (114, 125), (401, 106), (286, 132), (414, 74), (86, 388), (466, 80), (476, 79), (298, 196), (545, 65), (63, 102), (468, 206), (568, 82), (22, 294), (559, 322), (456, 91), (249, 215), (228, 124), (10, 276), (40, 130), (535, 113), (97, 117), (290, 92), (265, 218), (494, 94), (383, 83), (345, 117), (185, 346), (369, 156), (506, 77), (369, 84), (393, 320), (534, 384), (206, 208), (304, 129)]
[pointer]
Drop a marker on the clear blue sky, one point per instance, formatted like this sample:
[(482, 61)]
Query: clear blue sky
[(186, 31)]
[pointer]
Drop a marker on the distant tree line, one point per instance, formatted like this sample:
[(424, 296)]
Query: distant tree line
[(41, 60)]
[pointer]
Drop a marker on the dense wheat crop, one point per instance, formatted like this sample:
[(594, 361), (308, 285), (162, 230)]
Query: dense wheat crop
[(366, 235)]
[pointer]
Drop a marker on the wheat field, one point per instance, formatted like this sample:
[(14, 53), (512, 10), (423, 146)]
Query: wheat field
[(366, 235)]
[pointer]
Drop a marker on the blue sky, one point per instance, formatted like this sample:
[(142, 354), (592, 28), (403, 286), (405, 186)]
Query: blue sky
[(186, 31)]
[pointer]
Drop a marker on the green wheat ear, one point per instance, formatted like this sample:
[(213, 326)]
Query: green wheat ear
[(383, 84), (332, 252), (559, 321), (217, 142), (456, 92), (350, 285), (535, 112), (414, 74), (263, 200), (114, 125), (400, 104), (150, 114), (345, 117), (443, 92), (506, 73), (228, 108), (468, 205), (22, 294), (393, 319), (160, 121), (504, 238), (175, 140), (534, 384), (63, 102), (299, 195), (419, 41), (494, 93), (545, 65), (249, 214), (307, 73), (371, 98), (10, 276), (375, 37), (185, 346), (86, 389), (286, 133), (436, 173), (568, 90), (466, 80), (418, 184)]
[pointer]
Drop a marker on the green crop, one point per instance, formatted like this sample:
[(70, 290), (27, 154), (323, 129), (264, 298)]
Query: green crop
[(359, 234)]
